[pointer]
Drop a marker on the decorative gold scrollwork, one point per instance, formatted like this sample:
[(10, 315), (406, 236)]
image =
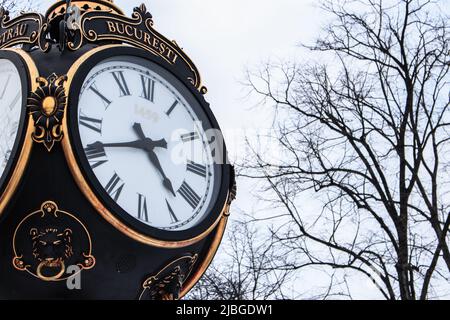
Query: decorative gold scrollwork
[(167, 283), (28, 28), (103, 23), (46, 105), (106, 26)]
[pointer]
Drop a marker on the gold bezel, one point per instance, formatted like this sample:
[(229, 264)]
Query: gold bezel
[(90, 194), (25, 150)]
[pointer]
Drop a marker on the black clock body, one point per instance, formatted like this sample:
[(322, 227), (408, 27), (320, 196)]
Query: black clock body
[(122, 264), (62, 236)]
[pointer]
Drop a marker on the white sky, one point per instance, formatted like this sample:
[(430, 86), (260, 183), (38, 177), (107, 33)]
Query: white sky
[(224, 37)]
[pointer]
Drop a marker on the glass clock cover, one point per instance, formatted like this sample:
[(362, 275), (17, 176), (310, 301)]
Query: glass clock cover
[(145, 139), (10, 110)]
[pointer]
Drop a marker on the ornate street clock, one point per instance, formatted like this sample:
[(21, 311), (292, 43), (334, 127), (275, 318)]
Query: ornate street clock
[(114, 180)]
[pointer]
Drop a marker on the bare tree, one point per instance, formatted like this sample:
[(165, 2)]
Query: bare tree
[(15, 6), (246, 269), (368, 135)]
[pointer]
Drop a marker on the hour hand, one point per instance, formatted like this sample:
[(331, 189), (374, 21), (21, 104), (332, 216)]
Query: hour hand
[(137, 127)]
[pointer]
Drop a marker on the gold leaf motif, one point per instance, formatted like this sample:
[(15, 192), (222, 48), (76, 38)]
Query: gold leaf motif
[(46, 106)]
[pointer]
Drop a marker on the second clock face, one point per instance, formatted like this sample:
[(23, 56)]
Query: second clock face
[(10, 110), (146, 144)]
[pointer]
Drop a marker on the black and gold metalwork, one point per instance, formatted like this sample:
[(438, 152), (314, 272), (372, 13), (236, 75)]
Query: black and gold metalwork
[(59, 9), (95, 22), (23, 146), (47, 241), (138, 31), (54, 54), (168, 283), (47, 105), (28, 29)]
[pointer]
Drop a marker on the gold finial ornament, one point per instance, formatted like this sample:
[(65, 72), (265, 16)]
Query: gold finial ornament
[(58, 9)]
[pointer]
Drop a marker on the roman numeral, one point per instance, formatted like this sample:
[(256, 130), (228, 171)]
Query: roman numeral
[(115, 187), (173, 217), (189, 195), (5, 87), (142, 208), (105, 100), (148, 88), (95, 154), (91, 123), (123, 86), (15, 101), (172, 107), (14, 128), (196, 168), (190, 137)]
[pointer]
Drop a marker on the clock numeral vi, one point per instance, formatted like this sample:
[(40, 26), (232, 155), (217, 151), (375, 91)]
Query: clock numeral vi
[(123, 86), (115, 187), (148, 88), (142, 208), (189, 195)]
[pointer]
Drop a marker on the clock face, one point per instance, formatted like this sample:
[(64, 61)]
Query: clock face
[(10, 110), (146, 144)]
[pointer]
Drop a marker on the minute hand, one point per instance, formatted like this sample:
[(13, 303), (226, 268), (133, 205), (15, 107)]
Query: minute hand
[(134, 144), (139, 144)]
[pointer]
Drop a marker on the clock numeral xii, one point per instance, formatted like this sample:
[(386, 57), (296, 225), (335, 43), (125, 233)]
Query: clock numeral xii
[(148, 88)]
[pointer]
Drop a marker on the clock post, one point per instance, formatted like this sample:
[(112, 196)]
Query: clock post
[(115, 182)]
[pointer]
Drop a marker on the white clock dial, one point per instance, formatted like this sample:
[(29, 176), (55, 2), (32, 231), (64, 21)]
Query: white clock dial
[(10, 110), (146, 145)]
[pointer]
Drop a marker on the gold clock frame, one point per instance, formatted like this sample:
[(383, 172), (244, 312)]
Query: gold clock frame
[(25, 150), (97, 203), (195, 277)]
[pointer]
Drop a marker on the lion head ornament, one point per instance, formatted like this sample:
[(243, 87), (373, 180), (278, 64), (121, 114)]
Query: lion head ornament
[(51, 248), (47, 241)]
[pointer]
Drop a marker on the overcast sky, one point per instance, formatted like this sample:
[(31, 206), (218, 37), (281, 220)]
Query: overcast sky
[(224, 38)]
